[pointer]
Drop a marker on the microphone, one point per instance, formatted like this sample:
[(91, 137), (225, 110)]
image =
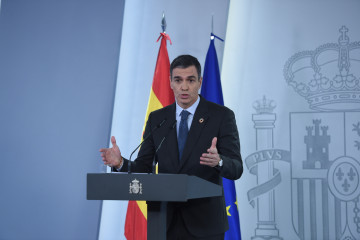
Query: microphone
[(158, 148), (146, 138)]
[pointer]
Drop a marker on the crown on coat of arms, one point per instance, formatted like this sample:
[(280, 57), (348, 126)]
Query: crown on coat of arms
[(329, 76), (264, 106)]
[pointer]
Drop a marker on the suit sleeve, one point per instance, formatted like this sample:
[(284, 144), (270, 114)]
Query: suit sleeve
[(228, 146)]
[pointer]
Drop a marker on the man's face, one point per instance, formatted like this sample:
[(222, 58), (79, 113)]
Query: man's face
[(185, 83)]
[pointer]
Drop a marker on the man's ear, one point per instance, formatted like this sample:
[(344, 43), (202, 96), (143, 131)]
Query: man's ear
[(170, 83)]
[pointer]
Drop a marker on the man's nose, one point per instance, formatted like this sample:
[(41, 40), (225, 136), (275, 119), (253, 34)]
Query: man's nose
[(184, 86)]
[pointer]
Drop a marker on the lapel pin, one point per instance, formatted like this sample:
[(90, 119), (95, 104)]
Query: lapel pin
[(201, 120)]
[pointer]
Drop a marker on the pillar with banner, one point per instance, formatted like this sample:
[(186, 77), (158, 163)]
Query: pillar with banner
[(267, 176)]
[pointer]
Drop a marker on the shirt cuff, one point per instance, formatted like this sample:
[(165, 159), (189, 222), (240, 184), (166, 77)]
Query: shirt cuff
[(118, 169)]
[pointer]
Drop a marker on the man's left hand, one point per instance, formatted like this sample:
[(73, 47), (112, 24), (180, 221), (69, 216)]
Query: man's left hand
[(212, 158)]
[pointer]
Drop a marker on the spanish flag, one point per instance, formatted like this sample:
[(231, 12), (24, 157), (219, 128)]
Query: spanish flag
[(161, 95)]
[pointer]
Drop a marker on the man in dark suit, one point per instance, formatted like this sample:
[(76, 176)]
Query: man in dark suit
[(203, 141)]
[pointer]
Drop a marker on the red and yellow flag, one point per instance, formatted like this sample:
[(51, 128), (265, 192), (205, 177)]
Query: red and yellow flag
[(161, 95)]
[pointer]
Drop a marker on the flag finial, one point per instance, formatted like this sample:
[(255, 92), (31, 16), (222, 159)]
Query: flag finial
[(212, 23), (163, 23)]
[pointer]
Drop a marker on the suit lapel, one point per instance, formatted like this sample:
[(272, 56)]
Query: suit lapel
[(197, 125), (172, 147)]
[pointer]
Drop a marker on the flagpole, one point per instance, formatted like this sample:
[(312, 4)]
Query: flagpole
[(163, 23)]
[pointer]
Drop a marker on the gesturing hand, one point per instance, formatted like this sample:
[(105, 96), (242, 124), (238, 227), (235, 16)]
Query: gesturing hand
[(212, 158), (112, 156)]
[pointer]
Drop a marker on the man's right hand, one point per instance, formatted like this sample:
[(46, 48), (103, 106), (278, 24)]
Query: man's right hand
[(112, 156)]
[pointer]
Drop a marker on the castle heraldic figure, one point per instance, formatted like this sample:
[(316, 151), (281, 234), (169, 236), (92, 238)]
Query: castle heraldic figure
[(201, 140)]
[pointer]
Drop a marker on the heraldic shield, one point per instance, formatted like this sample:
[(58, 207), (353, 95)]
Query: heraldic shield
[(325, 144), (325, 174)]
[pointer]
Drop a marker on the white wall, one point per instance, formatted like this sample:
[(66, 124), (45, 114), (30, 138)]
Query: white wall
[(58, 64)]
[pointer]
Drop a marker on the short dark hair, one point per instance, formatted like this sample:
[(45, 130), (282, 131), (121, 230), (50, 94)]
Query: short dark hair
[(185, 61)]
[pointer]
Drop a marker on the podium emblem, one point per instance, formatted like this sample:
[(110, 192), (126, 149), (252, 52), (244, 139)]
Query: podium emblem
[(135, 187)]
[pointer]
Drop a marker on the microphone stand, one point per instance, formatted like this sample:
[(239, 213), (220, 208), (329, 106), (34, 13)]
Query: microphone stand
[(158, 148), (129, 162)]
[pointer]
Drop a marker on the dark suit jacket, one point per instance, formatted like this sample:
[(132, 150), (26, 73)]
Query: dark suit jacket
[(205, 216)]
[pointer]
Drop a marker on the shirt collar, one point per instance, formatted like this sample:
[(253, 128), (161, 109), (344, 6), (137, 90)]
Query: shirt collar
[(191, 109)]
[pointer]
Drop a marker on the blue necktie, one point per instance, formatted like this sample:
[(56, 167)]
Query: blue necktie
[(183, 132)]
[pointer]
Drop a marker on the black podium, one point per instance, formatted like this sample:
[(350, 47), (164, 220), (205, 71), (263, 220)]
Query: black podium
[(156, 189)]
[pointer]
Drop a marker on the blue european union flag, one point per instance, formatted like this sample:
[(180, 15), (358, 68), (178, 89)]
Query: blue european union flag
[(211, 90)]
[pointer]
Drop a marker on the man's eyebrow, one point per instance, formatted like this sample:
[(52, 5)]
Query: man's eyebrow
[(188, 77)]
